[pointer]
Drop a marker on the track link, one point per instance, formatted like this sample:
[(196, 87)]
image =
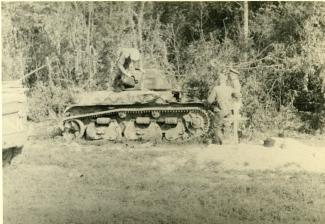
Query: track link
[(160, 109)]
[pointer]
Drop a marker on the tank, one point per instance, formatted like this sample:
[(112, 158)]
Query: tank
[(153, 110)]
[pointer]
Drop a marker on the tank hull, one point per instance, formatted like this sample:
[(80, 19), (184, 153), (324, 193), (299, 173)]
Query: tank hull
[(136, 115)]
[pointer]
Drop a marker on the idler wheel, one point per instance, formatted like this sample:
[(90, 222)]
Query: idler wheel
[(74, 128)]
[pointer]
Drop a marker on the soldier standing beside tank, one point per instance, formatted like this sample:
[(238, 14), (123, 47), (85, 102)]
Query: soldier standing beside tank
[(126, 65), (221, 98), (227, 102)]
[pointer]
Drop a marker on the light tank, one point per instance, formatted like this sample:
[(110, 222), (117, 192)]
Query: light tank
[(153, 110)]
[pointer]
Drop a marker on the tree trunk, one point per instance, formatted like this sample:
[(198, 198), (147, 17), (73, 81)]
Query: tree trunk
[(140, 21), (88, 48), (246, 31), (134, 42), (48, 63)]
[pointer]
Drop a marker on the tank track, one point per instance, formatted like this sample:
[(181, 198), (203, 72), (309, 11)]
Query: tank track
[(149, 109)]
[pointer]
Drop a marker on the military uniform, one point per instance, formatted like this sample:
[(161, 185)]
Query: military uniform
[(236, 95), (221, 98), (227, 102), (126, 67)]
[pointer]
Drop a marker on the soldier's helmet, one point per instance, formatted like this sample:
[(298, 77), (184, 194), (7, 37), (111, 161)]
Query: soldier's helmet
[(222, 79)]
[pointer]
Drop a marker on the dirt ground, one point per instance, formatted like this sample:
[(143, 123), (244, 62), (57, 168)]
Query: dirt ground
[(56, 181)]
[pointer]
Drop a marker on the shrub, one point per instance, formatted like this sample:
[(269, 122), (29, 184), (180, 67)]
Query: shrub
[(45, 102)]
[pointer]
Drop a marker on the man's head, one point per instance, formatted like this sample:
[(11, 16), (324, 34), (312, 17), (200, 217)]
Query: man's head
[(233, 74), (222, 79)]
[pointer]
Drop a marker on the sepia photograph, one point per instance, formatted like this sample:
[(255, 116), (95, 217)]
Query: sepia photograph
[(163, 112)]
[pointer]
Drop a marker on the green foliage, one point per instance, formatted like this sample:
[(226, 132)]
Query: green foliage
[(283, 67), (45, 102), (203, 61)]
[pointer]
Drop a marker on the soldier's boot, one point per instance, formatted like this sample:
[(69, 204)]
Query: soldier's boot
[(217, 138)]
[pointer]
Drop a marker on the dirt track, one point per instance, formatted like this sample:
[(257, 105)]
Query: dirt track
[(54, 181)]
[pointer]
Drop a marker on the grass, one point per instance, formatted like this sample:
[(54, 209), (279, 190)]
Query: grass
[(55, 182)]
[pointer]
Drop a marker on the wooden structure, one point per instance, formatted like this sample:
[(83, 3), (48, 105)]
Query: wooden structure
[(13, 119)]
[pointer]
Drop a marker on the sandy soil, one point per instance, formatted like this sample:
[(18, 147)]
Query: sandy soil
[(294, 156), (54, 181)]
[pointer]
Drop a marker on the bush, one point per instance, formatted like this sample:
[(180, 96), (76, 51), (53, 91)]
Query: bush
[(204, 60), (45, 102)]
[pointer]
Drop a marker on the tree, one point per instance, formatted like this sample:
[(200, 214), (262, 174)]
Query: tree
[(246, 31)]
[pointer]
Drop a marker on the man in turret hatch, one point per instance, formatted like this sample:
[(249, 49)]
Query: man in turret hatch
[(127, 64)]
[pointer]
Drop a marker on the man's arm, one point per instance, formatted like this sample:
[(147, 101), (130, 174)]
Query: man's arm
[(212, 96), (121, 62)]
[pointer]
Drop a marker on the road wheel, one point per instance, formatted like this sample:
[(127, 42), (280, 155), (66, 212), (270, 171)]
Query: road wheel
[(74, 129)]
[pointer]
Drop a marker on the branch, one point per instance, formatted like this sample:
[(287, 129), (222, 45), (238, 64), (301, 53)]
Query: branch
[(223, 21), (134, 13), (264, 50), (249, 68), (238, 3), (32, 72)]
